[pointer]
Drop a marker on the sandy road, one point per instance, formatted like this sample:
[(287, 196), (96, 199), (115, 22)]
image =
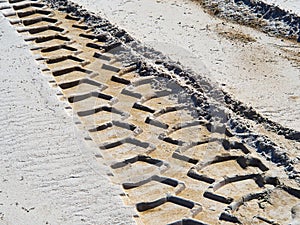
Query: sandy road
[(180, 157)]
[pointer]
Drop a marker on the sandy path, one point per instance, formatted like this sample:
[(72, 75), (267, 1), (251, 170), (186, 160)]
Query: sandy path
[(46, 175), (255, 68)]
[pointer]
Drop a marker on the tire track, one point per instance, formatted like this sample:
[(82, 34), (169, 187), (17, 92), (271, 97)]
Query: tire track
[(177, 163)]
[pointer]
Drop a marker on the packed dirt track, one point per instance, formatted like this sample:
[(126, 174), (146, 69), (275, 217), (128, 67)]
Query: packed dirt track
[(183, 151)]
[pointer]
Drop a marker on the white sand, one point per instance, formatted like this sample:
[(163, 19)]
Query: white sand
[(257, 73), (46, 175), (289, 5)]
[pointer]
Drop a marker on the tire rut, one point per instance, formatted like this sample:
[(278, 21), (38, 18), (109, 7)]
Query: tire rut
[(176, 163)]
